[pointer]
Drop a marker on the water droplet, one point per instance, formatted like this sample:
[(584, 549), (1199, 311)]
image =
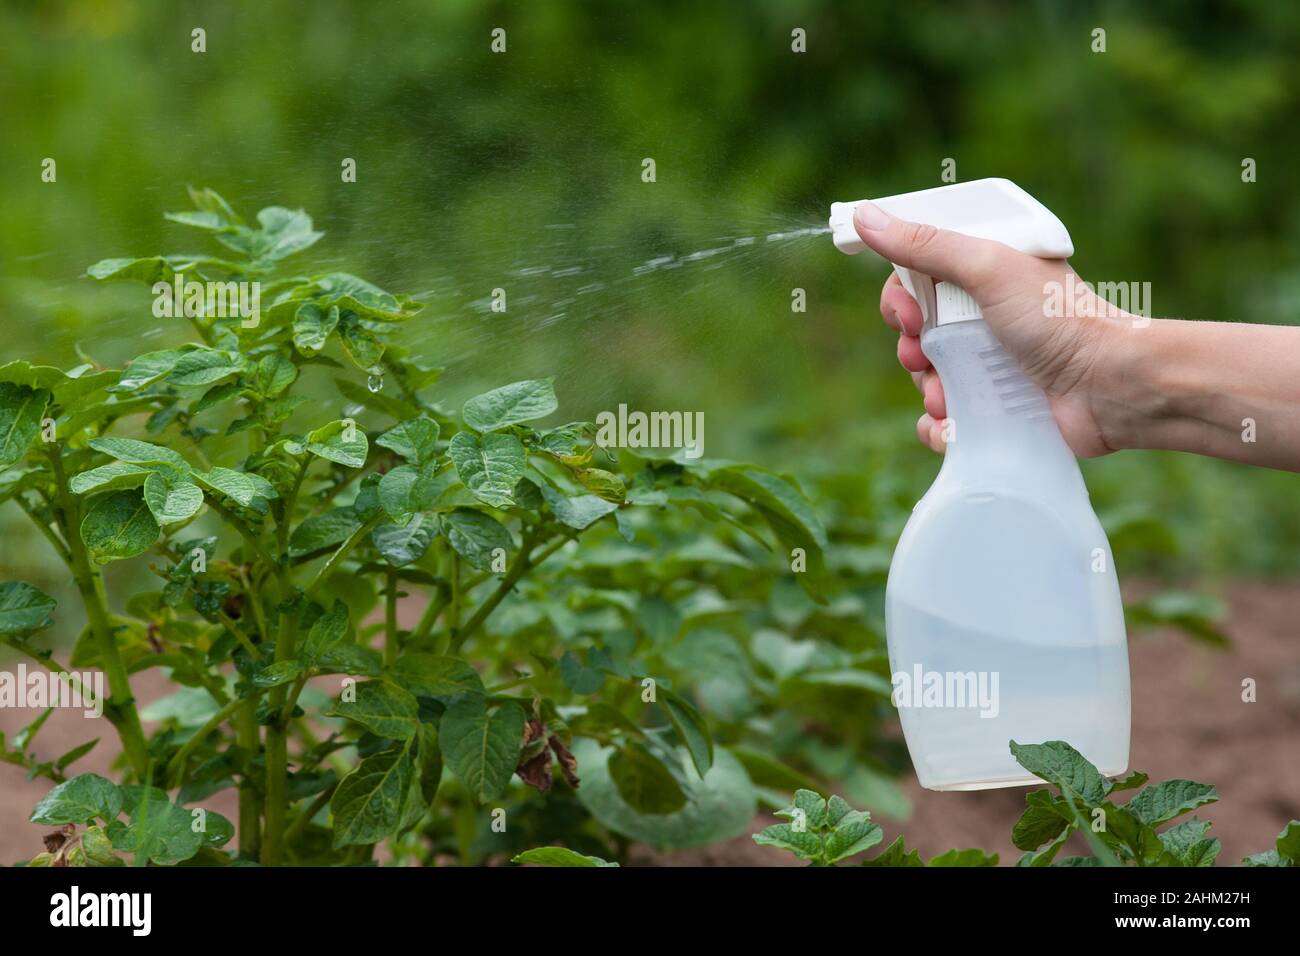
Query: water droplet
[(375, 382)]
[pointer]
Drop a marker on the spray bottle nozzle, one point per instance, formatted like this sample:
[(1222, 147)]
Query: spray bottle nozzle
[(994, 209)]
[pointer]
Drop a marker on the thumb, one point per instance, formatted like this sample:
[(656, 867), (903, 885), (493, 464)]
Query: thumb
[(948, 256)]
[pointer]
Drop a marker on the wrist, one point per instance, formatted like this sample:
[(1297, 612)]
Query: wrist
[(1131, 394)]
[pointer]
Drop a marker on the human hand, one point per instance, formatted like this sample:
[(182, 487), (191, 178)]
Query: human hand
[(1061, 353)]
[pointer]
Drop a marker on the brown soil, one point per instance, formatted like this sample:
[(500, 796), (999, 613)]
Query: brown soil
[(1188, 721)]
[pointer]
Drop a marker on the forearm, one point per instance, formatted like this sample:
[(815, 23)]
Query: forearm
[(1222, 389)]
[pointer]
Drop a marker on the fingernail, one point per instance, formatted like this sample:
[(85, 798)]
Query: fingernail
[(870, 217)]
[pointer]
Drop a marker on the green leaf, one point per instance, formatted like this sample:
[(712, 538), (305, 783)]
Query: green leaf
[(76, 753), (557, 856), (382, 708), (371, 801), (490, 466), (312, 326), (148, 270), (24, 609), (115, 476), (204, 366), (475, 536), (21, 411), (241, 486), (217, 831), (1288, 842), (1044, 855), (1187, 844), (1137, 837), (690, 727), (363, 298), (284, 232), (407, 489), (602, 484), (171, 501), (1058, 763), (274, 675), (159, 831), (341, 442), (1043, 820), (1131, 782), (808, 807), (402, 544), (578, 677), (328, 631), (1197, 615), (273, 374), (971, 857), (896, 854), (359, 345), (323, 531), (99, 848), (644, 783), (804, 844), (719, 806), (416, 440), (147, 368), (430, 675), (854, 832), (783, 506), (482, 747), (430, 763), (1161, 802), (79, 800), (578, 512), (510, 405), (118, 526), (137, 452)]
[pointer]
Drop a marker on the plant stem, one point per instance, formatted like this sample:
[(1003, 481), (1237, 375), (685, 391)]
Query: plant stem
[(50, 664), (390, 618), (339, 556), (300, 823), (120, 707), (176, 767), (55, 541), (277, 752), (244, 642), (453, 612), (249, 738), (523, 564), (286, 516), (250, 539)]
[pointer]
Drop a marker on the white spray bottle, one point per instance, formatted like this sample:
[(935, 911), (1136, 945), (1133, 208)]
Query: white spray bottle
[(1002, 611)]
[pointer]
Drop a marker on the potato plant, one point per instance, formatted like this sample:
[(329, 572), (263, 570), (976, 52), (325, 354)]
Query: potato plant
[(292, 487), (1119, 832)]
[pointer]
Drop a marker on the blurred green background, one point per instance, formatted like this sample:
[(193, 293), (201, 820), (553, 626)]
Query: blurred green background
[(523, 170)]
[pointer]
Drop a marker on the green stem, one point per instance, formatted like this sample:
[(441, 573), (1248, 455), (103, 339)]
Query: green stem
[(50, 664), (453, 612), (304, 818), (390, 618), (56, 542), (286, 516), (250, 539), (120, 707), (176, 767), (523, 564), (339, 556), (249, 738), (277, 752), (244, 642)]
